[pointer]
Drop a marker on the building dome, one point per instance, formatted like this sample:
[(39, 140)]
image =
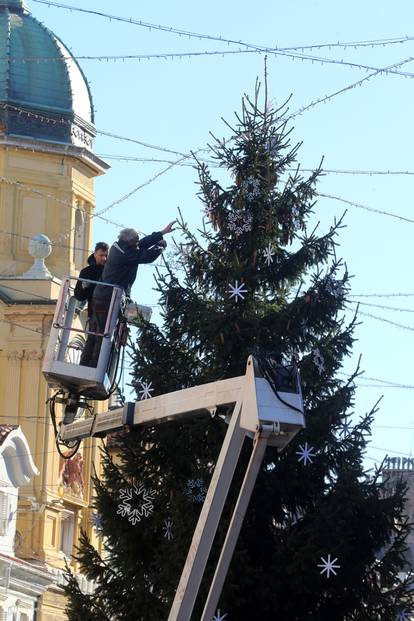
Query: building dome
[(43, 92)]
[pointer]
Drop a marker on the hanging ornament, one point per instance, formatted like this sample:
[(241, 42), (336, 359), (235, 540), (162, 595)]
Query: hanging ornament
[(251, 188), (196, 490), (336, 288), (237, 291), (269, 254), (146, 390), (345, 429), (137, 502), (239, 179), (305, 453), (167, 528), (96, 522), (240, 222), (328, 566), (319, 360), (208, 211)]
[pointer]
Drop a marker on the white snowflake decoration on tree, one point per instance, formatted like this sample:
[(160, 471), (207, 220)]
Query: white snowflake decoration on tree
[(137, 502), (335, 287), (251, 187), (168, 526), (146, 390), (328, 566), (306, 453), (196, 490), (237, 291), (269, 254), (403, 615), (218, 616), (240, 222), (345, 429), (319, 360)]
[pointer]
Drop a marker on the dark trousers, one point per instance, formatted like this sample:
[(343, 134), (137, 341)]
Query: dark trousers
[(97, 323)]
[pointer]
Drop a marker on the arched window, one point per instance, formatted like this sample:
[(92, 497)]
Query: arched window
[(80, 238)]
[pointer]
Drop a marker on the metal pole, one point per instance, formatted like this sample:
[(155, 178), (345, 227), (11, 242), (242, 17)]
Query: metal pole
[(206, 528), (236, 523), (67, 328)]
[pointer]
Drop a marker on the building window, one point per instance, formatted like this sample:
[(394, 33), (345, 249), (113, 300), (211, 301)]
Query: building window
[(80, 238), (4, 511), (67, 533), (12, 614)]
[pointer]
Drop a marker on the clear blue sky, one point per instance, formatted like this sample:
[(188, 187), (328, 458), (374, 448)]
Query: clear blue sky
[(177, 103)]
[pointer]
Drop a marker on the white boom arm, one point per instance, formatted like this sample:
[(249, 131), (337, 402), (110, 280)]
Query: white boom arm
[(269, 416)]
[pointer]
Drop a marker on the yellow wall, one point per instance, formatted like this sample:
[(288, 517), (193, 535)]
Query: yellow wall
[(26, 213), (23, 337)]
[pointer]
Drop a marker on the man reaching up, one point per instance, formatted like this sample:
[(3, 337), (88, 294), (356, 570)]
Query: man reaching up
[(121, 270)]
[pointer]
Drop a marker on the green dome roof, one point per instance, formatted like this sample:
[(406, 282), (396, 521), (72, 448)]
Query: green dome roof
[(54, 87)]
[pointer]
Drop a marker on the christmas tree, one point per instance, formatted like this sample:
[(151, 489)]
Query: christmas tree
[(323, 538)]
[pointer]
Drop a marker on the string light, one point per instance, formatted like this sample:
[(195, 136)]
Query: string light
[(214, 164), (316, 102), (382, 295), (392, 323), (195, 35), (182, 55), (384, 307), (365, 207)]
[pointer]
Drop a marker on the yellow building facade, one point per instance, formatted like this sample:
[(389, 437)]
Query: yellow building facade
[(47, 174)]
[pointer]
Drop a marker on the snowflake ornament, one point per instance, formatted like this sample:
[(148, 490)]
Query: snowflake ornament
[(146, 390), (251, 187), (168, 526), (335, 287), (306, 454), (345, 429), (196, 490), (319, 360), (96, 522), (137, 502), (240, 222), (327, 566), (403, 615), (237, 291), (218, 616), (269, 254)]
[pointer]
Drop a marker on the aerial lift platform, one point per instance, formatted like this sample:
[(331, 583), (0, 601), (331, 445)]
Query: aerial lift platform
[(265, 404)]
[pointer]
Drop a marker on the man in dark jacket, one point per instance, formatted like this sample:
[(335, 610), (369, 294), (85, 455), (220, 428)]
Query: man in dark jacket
[(121, 270), (84, 291), (93, 271)]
